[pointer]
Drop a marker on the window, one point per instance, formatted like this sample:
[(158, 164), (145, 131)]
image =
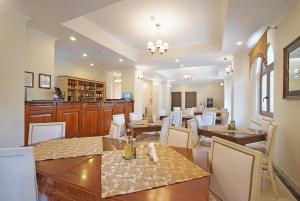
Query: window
[(267, 85)]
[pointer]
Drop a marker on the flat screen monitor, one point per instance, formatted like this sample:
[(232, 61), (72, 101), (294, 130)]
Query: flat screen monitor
[(127, 96)]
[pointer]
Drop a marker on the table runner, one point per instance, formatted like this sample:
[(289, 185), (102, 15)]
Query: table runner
[(120, 176), (223, 129), (66, 148)]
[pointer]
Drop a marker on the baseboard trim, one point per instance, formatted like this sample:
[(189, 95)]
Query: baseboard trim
[(287, 182)]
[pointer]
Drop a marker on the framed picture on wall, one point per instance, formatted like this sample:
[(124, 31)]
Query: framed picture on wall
[(44, 81), (29, 79)]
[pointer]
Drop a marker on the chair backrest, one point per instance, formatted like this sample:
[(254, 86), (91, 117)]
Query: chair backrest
[(259, 124), (114, 131), (18, 175), (198, 119), (176, 109), (162, 112), (210, 109), (270, 142), (176, 118), (189, 112), (208, 118), (179, 137), (235, 171), (224, 118), (166, 122), (135, 117), (120, 119), (192, 124), (39, 132)]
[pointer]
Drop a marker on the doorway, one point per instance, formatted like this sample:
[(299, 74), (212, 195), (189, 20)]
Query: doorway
[(175, 100)]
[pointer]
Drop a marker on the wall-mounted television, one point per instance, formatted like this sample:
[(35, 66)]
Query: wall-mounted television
[(127, 96)]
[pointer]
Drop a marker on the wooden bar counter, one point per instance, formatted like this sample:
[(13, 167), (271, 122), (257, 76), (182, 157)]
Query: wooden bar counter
[(82, 118)]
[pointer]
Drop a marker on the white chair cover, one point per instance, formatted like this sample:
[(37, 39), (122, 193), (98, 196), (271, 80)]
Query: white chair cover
[(208, 118), (166, 122), (135, 117), (114, 131), (189, 112), (176, 109), (120, 119), (192, 124), (18, 175), (235, 171), (224, 118), (176, 118), (162, 112), (39, 132), (180, 137)]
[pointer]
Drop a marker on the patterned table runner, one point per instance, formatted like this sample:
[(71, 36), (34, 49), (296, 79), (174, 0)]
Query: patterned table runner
[(66, 148), (119, 176), (223, 129)]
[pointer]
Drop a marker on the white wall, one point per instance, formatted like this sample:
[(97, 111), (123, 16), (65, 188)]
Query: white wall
[(12, 65), (40, 50), (286, 112), (85, 72), (147, 96), (204, 91)]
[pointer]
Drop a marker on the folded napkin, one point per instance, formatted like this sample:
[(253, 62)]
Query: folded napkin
[(152, 152)]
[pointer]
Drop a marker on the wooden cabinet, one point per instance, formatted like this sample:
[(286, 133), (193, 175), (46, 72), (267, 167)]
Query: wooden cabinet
[(82, 118), (39, 113), (71, 114), (91, 119)]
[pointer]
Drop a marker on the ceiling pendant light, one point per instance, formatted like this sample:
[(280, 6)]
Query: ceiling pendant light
[(187, 77), (158, 46)]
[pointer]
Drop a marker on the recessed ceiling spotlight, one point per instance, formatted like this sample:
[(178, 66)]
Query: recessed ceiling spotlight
[(239, 43), (91, 64), (120, 60), (181, 65), (177, 60), (221, 83), (84, 54), (72, 38)]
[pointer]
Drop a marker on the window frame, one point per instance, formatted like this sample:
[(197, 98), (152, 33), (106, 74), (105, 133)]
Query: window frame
[(266, 71)]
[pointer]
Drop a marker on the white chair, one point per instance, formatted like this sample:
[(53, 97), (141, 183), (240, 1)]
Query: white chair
[(208, 118), (120, 119), (39, 132), (179, 137), (176, 118), (114, 131), (163, 134), (135, 117), (176, 109), (210, 109), (18, 175), (204, 141), (235, 171), (189, 112), (268, 149), (162, 112), (224, 118), (192, 124)]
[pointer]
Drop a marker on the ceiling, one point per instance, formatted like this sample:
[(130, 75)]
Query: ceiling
[(200, 33)]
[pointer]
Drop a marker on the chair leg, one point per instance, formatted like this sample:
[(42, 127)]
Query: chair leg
[(272, 177)]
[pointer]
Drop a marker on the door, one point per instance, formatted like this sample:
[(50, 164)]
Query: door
[(190, 99), (175, 100)]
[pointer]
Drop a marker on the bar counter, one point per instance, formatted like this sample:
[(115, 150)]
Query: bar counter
[(82, 118)]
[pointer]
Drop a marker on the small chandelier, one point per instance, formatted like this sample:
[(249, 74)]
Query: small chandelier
[(159, 46), (187, 77)]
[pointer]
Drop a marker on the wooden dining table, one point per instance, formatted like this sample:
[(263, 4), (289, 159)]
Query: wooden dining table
[(240, 136), (139, 127), (79, 179)]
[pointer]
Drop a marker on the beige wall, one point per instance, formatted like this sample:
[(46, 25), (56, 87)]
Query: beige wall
[(86, 72), (12, 66), (286, 112), (40, 55), (147, 96), (204, 91)]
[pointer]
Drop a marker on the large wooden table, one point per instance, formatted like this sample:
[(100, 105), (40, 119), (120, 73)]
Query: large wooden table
[(239, 138), (79, 179)]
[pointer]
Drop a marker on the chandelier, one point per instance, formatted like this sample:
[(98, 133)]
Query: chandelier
[(187, 77), (158, 46)]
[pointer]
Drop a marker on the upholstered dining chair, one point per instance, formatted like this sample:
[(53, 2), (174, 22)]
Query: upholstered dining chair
[(114, 130), (208, 118), (163, 134), (39, 132), (267, 148), (179, 137), (135, 117), (235, 171), (192, 124), (120, 119), (18, 183), (176, 109), (176, 118), (224, 118)]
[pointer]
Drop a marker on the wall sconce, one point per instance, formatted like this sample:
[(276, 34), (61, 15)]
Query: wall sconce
[(154, 84)]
